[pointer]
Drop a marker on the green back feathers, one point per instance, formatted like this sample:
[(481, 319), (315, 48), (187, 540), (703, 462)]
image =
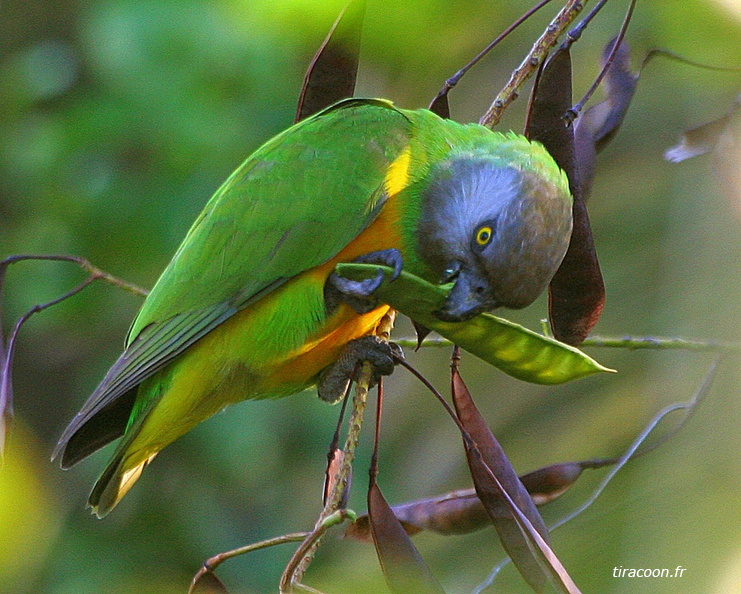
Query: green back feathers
[(292, 205)]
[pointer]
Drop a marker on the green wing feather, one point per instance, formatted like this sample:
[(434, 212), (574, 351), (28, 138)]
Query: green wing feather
[(294, 204)]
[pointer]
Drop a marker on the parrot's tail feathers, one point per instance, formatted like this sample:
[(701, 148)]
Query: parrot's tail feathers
[(114, 483), (92, 429)]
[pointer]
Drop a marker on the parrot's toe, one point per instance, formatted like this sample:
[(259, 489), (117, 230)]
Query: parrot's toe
[(356, 294), (382, 355), (359, 294), (391, 258), (362, 289)]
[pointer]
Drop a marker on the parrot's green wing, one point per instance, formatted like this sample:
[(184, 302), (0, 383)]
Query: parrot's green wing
[(294, 204)]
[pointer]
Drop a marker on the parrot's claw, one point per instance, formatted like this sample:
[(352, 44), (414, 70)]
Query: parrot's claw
[(391, 258), (359, 294), (335, 379), (359, 289)]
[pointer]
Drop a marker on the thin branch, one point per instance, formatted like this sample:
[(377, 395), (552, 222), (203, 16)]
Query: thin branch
[(455, 79), (94, 271), (532, 61), (574, 111), (213, 562), (303, 556), (7, 350), (624, 342), (574, 34), (539, 547), (630, 454), (690, 406), (8, 353), (448, 409), (657, 343), (664, 53)]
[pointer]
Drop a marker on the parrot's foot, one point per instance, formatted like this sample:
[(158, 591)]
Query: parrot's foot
[(334, 380), (359, 294)]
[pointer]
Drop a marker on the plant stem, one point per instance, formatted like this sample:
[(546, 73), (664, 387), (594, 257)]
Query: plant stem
[(302, 558), (532, 61), (213, 562), (624, 342), (94, 271)]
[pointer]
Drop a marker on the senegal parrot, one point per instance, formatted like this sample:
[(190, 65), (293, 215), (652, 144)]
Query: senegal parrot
[(251, 306)]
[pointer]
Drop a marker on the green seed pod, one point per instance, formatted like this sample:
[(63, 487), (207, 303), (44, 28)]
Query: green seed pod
[(515, 350)]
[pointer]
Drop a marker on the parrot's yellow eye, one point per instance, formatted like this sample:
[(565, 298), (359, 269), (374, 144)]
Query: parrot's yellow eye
[(484, 235)]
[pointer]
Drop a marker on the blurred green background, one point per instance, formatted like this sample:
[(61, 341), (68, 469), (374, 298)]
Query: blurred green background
[(119, 118)]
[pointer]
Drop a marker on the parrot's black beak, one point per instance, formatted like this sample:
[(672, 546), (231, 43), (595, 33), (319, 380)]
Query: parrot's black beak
[(469, 297)]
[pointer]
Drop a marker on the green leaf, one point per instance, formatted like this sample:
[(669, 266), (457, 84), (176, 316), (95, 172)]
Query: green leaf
[(517, 351)]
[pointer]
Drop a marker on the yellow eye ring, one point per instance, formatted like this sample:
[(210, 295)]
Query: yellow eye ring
[(484, 235)]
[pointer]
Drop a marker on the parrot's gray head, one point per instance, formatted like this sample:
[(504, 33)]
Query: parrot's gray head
[(498, 232)]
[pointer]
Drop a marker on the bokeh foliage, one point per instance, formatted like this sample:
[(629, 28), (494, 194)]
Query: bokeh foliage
[(119, 118)]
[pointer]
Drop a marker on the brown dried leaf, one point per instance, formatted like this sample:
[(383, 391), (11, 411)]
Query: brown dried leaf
[(422, 333), (403, 567), (206, 582), (577, 291), (333, 70), (491, 460), (440, 106), (461, 511), (702, 139), (334, 463)]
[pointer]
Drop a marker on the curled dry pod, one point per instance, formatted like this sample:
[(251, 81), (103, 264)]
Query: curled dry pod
[(461, 511), (702, 139), (333, 70), (403, 567), (577, 292)]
